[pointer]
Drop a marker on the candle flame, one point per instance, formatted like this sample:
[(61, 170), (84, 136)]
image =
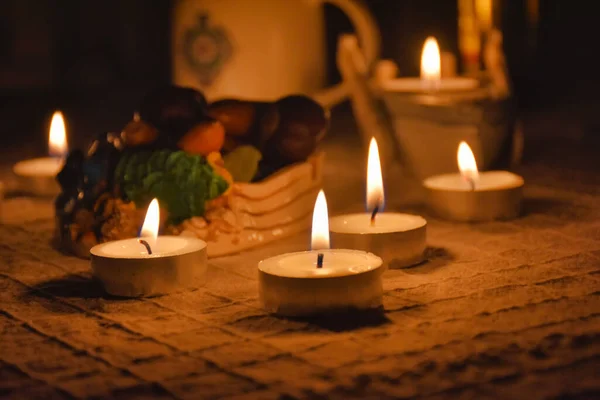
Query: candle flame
[(375, 196), (430, 62), (466, 163), (152, 220), (57, 138), (320, 224)]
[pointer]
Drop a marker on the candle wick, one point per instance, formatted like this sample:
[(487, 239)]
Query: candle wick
[(146, 245), (320, 260), (373, 214), (471, 183)]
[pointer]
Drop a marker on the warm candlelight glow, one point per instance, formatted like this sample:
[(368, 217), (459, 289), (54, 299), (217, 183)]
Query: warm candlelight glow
[(57, 139), (430, 62), (320, 224), (466, 163), (484, 12), (151, 223), (375, 196)]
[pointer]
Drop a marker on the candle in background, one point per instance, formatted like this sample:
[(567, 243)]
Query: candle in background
[(469, 37), (38, 176), (484, 14), (431, 80), (400, 239), (57, 138), (150, 265), (322, 280), (431, 70), (470, 195)]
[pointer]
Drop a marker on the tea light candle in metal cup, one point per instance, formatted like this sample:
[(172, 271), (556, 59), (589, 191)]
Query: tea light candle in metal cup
[(473, 196), (323, 280), (431, 81), (400, 239), (37, 176), (150, 265)]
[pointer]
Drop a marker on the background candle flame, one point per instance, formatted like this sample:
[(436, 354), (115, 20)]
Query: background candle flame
[(57, 139), (320, 224), (430, 61), (151, 222), (375, 195), (466, 162)]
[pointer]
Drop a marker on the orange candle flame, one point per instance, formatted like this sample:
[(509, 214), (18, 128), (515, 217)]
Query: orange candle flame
[(320, 224), (467, 164), (430, 63), (57, 138)]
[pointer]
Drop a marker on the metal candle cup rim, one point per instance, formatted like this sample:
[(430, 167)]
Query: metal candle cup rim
[(518, 183), (420, 222), (191, 245), (18, 167), (375, 263), (416, 85)]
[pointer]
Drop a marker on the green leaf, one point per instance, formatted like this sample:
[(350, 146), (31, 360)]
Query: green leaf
[(173, 159), (157, 160), (181, 182), (242, 163)]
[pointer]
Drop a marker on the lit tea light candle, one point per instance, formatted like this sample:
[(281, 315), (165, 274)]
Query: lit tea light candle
[(38, 176), (150, 265), (400, 239), (431, 79), (471, 195), (323, 280)]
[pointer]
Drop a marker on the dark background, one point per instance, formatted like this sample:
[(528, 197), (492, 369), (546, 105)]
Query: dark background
[(95, 59)]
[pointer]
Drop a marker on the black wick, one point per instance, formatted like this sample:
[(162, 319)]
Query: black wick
[(374, 213), (471, 183), (320, 260), (148, 248)]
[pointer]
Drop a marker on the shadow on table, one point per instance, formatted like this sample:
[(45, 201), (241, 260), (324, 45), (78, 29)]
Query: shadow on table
[(536, 212), (347, 321), (70, 286), (435, 258), (56, 244), (544, 205)]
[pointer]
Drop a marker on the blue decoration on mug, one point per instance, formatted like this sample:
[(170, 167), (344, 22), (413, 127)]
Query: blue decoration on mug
[(206, 49)]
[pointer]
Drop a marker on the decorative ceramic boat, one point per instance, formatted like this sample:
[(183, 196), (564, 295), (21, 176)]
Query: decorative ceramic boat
[(236, 174), (429, 132), (423, 129), (276, 208)]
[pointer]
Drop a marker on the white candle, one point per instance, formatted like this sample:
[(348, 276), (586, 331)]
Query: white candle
[(150, 266), (38, 176), (431, 80), (322, 280), (400, 239), (471, 196)]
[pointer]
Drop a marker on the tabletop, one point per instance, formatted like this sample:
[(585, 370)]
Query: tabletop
[(498, 310)]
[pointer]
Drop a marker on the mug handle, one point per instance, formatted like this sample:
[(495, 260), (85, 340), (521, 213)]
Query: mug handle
[(370, 42)]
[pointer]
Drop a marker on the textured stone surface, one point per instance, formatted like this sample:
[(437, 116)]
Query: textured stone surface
[(505, 309)]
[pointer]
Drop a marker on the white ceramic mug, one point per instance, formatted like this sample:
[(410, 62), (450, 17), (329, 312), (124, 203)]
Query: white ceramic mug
[(261, 49)]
